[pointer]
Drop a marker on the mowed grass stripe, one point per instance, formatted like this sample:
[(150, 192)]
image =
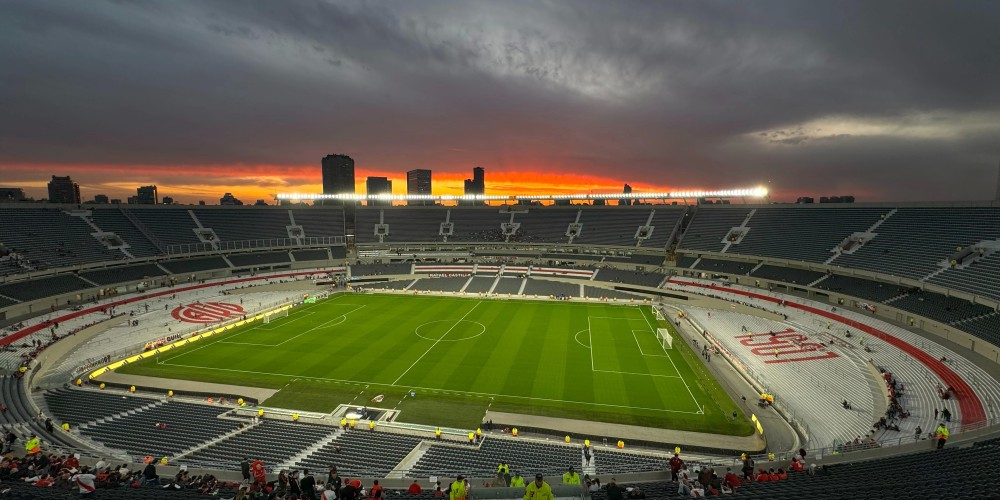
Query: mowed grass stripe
[(526, 360)]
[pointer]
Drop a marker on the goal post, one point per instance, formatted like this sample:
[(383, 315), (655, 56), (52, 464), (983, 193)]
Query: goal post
[(283, 313), (658, 314), (666, 340)]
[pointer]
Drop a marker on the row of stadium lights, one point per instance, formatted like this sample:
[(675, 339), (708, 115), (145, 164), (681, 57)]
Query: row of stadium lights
[(757, 192)]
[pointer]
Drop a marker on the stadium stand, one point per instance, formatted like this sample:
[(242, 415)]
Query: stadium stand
[(546, 288), (115, 221), (258, 259), (979, 277), (685, 261), (172, 226), (43, 287), (598, 292), (315, 254), (478, 224), (51, 238), (270, 441), (255, 225), (122, 274), (724, 266), (380, 269), (611, 226), (817, 231), (630, 277), (666, 219), (509, 284), (187, 266), (787, 274), (406, 224), (480, 284), (940, 307), (441, 284), (860, 287), (710, 226), (914, 241), (320, 222), (546, 225), (373, 454)]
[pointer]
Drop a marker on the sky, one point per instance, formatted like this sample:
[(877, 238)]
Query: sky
[(883, 100)]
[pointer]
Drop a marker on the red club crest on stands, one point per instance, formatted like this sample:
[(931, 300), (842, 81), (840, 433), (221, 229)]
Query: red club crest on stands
[(206, 312)]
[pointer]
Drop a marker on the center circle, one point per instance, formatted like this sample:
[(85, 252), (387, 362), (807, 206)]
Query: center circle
[(455, 331)]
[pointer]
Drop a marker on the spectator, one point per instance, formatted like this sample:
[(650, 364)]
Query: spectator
[(329, 493), (675, 466), (414, 488), (457, 489), (149, 474), (636, 493), (571, 477), (614, 491), (85, 481), (540, 490), (376, 492), (307, 485), (732, 480), (244, 465)]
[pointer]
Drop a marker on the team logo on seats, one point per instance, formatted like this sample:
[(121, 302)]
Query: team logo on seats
[(206, 312)]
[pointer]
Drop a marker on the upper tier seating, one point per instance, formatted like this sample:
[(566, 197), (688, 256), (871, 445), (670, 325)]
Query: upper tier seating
[(546, 224), (477, 224), (173, 226), (115, 221), (314, 254), (913, 242), (257, 226), (51, 238), (320, 222), (406, 224), (980, 277), (665, 220), (939, 307), (710, 226), (612, 225), (814, 232)]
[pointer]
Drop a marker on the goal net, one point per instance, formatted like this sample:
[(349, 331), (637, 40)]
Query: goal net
[(658, 313), (275, 315), (666, 340)]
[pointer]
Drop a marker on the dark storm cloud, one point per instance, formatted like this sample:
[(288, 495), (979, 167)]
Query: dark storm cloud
[(896, 99)]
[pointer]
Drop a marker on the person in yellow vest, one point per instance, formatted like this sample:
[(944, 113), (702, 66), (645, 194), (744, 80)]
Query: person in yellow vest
[(586, 443), (457, 489), (516, 480), (260, 412), (353, 423), (32, 446), (571, 477), (538, 489), (65, 426), (621, 444), (770, 457), (566, 438), (132, 389), (472, 437), (437, 433), (22, 370), (79, 382), (163, 461), (371, 425), (295, 417), (479, 432), (101, 386), (170, 393), (503, 468), (513, 432), (343, 423), (942, 435)]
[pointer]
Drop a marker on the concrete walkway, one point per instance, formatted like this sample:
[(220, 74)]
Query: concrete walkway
[(583, 429), (169, 384)]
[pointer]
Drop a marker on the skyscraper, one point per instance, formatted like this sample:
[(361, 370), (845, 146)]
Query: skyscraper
[(63, 190), (338, 174), (418, 181), (378, 185), (626, 201), (146, 195), (477, 184)]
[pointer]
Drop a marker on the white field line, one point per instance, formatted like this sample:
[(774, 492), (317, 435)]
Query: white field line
[(437, 341), (653, 332)]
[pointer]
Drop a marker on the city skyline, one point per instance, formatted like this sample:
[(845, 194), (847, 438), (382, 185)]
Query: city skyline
[(244, 97)]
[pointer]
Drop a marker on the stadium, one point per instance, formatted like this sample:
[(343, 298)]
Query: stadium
[(856, 342)]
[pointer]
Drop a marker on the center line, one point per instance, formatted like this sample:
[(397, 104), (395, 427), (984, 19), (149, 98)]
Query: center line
[(436, 341)]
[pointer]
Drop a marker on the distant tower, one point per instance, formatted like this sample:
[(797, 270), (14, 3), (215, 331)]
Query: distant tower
[(477, 184), (338, 175), (379, 185), (418, 181), (626, 190)]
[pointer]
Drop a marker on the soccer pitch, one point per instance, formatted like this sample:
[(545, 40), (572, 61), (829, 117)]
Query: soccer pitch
[(590, 361)]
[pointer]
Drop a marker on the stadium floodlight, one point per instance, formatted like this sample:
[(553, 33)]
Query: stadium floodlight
[(756, 192)]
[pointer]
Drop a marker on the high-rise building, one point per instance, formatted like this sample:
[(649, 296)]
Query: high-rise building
[(168, 200), (477, 184), (115, 201), (338, 174), (63, 190), (626, 201), (418, 181), (146, 195), (229, 199), (378, 185), (11, 194), (101, 199)]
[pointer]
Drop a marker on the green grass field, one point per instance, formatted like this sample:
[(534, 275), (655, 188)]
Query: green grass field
[(597, 361)]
